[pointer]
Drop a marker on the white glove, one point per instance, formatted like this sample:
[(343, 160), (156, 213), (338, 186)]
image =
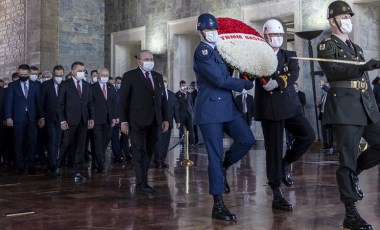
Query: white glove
[(271, 85)]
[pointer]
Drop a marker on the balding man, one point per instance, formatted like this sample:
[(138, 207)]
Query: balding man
[(143, 109)]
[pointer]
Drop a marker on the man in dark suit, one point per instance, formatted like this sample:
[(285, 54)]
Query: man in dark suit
[(277, 107), (22, 110), (3, 153), (351, 110), (244, 101), (49, 97), (143, 110), (376, 90), (104, 102), (185, 108), (115, 136), (75, 113), (163, 139)]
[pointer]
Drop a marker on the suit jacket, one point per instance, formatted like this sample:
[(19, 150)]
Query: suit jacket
[(249, 100), (346, 105), (104, 110), (185, 104), (71, 107), (139, 105), (281, 103), (16, 102), (215, 102), (172, 109), (49, 99), (2, 104)]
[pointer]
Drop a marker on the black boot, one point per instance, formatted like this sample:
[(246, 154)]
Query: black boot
[(220, 211), (355, 183), (287, 176), (225, 167), (279, 202), (352, 219)]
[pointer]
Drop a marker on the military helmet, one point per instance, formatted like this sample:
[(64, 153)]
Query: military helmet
[(337, 8), (207, 21)]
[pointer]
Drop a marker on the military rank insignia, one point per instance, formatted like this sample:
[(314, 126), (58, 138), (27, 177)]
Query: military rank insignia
[(322, 46), (205, 52)]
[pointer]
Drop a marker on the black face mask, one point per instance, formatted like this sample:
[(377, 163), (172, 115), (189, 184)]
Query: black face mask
[(23, 79)]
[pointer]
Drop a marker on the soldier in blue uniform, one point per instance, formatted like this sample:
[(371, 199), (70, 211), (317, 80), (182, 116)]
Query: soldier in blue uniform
[(216, 113), (351, 110), (277, 107)]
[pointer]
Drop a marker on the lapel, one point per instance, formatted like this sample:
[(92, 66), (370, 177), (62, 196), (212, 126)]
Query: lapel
[(142, 78), (31, 89), (18, 87), (343, 47)]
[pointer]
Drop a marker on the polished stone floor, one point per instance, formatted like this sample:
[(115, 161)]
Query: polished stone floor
[(181, 200)]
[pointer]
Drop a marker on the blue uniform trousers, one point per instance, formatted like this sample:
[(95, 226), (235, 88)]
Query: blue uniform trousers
[(212, 134)]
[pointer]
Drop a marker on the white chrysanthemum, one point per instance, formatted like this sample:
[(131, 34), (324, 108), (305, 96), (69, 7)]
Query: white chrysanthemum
[(249, 57)]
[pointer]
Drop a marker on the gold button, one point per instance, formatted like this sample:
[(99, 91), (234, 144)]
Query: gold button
[(334, 95), (344, 56)]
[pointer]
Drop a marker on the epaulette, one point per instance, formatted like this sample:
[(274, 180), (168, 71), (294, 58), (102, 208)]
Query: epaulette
[(204, 51), (327, 47)]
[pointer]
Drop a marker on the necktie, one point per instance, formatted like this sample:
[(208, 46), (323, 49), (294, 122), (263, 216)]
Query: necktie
[(79, 90), (104, 91), (349, 44), (25, 90), (148, 81), (244, 103)]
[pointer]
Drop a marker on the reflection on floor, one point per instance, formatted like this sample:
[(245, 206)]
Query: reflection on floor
[(109, 200)]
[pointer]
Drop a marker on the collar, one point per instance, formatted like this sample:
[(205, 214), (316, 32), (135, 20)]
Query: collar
[(343, 39), (212, 45)]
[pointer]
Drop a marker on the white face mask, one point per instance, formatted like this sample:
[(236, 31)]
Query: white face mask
[(118, 85), (45, 79), (346, 26), (275, 42), (103, 80), (33, 77), (211, 36), (80, 75), (148, 65), (94, 79), (58, 80)]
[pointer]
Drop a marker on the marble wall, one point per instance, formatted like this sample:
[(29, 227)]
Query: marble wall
[(81, 33)]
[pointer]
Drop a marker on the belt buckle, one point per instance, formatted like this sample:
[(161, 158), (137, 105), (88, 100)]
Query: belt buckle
[(361, 85)]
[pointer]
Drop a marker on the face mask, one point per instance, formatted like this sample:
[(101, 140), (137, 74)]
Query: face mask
[(346, 26), (80, 75), (117, 86), (148, 65), (276, 42), (183, 88), (58, 80), (45, 79), (23, 79), (211, 36), (297, 89), (103, 80), (325, 88), (33, 77), (95, 79), (165, 84)]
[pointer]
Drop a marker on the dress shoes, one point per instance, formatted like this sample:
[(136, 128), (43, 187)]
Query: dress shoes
[(145, 188), (287, 176), (352, 219), (220, 211), (78, 177), (58, 173), (282, 204), (355, 183)]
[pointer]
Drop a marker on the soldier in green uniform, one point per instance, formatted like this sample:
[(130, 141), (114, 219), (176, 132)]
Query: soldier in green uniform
[(350, 108)]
